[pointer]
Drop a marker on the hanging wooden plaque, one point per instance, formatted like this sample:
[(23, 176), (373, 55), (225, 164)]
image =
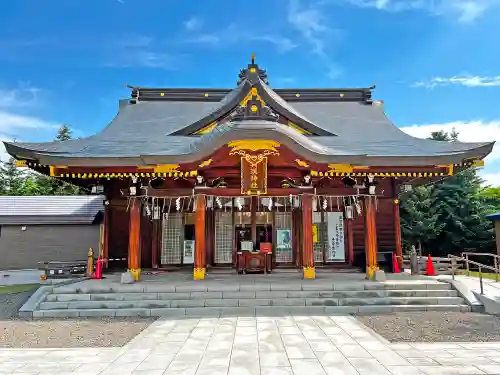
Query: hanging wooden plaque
[(254, 174)]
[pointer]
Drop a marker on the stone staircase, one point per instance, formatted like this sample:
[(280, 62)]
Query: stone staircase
[(92, 299)]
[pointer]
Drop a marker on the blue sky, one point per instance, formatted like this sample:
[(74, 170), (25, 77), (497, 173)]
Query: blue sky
[(436, 63)]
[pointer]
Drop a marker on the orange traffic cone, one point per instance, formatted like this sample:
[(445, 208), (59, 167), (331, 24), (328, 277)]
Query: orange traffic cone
[(395, 264), (98, 269), (430, 267)]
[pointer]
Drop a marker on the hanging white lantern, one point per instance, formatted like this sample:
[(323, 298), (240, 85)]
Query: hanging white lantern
[(270, 204), (325, 204), (238, 204), (218, 201), (178, 204), (133, 190), (291, 198), (210, 202), (156, 213), (315, 204), (148, 210), (349, 212)]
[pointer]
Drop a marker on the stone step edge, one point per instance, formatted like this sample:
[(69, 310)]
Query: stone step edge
[(218, 302), (199, 295), (269, 288), (246, 311)]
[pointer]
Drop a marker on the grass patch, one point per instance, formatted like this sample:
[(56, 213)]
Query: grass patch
[(18, 288), (485, 275)]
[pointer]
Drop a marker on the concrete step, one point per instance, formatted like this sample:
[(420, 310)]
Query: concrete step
[(245, 311), (251, 302), (228, 287), (249, 295)]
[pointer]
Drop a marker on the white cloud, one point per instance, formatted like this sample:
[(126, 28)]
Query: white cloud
[(17, 127), (193, 23), (464, 11), (311, 23), (473, 131), (463, 80), (23, 95)]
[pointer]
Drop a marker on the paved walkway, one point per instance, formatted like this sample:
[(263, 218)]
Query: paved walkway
[(337, 345)]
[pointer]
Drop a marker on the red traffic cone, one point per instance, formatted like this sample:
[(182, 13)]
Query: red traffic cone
[(395, 264), (98, 269), (430, 267)]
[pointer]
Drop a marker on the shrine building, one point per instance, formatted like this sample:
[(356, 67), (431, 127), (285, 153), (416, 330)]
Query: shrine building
[(251, 177)]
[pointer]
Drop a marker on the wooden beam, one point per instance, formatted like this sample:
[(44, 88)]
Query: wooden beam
[(397, 231), (307, 236), (253, 219), (106, 235), (199, 245), (350, 241), (155, 243), (134, 241)]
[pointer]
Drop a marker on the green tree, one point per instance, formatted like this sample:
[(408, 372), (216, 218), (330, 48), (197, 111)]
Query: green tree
[(64, 133), (490, 196), (448, 216), (11, 178), (418, 225)]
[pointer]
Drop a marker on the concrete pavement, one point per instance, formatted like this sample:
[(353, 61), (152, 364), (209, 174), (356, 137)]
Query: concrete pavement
[(289, 345)]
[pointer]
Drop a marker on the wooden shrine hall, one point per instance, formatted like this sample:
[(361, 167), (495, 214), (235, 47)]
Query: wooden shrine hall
[(250, 177)]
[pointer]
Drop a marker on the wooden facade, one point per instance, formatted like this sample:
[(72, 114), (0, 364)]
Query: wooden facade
[(250, 173)]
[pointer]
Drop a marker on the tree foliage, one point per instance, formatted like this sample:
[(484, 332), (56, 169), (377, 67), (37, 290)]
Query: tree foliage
[(19, 181), (449, 217)]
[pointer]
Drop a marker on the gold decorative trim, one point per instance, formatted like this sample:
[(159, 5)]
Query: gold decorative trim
[(478, 163), (253, 145), (136, 273), (315, 173), (343, 168), (193, 173), (252, 94), (199, 273), (21, 163), (396, 201), (205, 163), (298, 128), (205, 130), (309, 273), (301, 163)]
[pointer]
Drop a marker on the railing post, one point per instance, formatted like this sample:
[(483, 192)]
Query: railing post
[(90, 262), (467, 264), (481, 280), (414, 265), (453, 266), (496, 268)]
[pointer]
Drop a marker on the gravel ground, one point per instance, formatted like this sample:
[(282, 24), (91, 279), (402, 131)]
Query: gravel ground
[(435, 326), (62, 333), (70, 333), (11, 303)]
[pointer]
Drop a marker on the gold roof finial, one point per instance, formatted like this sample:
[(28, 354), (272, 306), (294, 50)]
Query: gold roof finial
[(253, 58)]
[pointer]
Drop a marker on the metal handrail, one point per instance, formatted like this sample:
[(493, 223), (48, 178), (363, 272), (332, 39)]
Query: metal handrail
[(480, 266), (496, 261)]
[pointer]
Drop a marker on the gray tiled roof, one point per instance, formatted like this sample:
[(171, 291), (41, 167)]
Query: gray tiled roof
[(145, 128), (68, 209)]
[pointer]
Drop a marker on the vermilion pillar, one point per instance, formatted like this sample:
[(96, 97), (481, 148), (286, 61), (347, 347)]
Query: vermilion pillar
[(370, 237), (253, 218), (397, 232), (199, 234), (134, 241), (307, 238)]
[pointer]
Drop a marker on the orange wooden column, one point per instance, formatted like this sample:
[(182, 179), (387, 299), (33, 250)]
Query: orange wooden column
[(350, 241), (307, 238), (253, 217), (134, 240), (397, 232), (199, 234), (370, 237)]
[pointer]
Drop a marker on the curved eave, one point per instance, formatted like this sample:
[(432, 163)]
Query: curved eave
[(302, 145), (267, 95)]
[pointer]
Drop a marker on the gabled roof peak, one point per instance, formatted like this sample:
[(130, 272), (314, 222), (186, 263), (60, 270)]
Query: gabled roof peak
[(252, 73)]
